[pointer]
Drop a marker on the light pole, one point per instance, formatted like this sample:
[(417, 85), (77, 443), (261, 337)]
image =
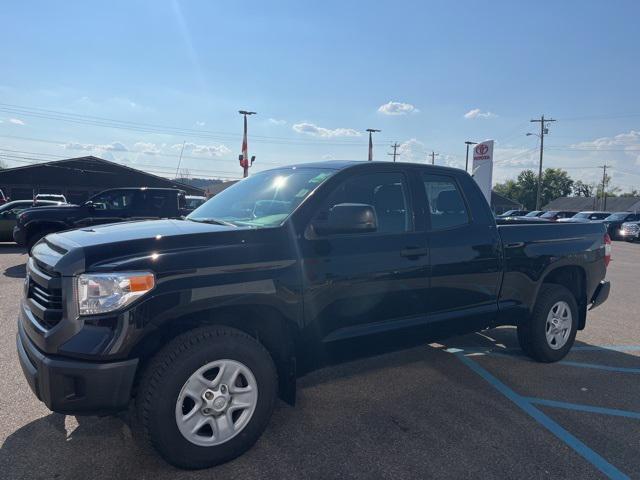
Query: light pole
[(466, 163), (244, 156), (371, 130)]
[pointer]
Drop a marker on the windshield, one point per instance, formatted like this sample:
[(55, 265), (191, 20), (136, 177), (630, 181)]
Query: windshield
[(582, 215), (549, 214), (535, 213), (615, 217), (263, 200)]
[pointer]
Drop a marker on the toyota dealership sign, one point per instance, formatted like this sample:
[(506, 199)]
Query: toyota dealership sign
[(483, 167)]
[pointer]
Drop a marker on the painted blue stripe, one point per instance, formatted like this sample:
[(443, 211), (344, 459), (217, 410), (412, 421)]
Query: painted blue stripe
[(612, 348), (592, 457), (600, 367), (584, 408), (615, 348)]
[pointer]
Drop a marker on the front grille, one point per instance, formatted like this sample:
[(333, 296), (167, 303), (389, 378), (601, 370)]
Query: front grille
[(632, 229), (44, 294)]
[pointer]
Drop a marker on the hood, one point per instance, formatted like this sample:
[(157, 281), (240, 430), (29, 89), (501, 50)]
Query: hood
[(150, 230), (50, 211), (158, 245)]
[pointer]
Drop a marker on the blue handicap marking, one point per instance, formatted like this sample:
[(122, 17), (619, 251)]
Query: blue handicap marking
[(527, 406)]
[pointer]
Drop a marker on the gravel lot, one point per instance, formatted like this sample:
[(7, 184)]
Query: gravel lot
[(419, 413)]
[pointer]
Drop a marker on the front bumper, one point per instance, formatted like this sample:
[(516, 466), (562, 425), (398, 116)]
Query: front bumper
[(75, 387), (601, 294)]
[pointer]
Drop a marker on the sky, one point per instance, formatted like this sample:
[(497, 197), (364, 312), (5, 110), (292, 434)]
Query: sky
[(132, 81)]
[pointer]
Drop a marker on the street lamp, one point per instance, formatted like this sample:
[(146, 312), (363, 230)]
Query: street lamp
[(371, 130), (466, 164), (539, 189)]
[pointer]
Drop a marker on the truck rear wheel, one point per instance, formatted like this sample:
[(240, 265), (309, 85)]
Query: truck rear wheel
[(549, 334), (206, 397)]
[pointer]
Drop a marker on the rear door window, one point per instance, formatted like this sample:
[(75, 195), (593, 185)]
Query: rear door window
[(446, 205)]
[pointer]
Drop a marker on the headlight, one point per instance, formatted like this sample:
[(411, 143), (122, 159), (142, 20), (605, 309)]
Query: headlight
[(105, 292)]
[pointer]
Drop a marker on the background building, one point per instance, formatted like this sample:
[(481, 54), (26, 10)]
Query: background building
[(500, 203), (79, 178), (581, 204)]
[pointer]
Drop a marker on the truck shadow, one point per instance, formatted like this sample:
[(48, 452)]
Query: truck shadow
[(16, 271), (355, 400)]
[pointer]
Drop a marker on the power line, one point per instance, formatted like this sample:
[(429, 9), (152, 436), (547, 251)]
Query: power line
[(142, 127)]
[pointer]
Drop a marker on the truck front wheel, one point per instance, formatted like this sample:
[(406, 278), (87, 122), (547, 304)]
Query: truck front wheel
[(206, 397), (549, 334)]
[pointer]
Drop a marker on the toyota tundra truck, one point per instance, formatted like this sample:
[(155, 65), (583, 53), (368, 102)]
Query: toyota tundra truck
[(196, 326)]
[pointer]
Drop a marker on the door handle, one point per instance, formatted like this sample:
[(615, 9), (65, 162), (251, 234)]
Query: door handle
[(414, 252)]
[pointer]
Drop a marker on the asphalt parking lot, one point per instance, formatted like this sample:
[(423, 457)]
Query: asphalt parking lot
[(468, 407)]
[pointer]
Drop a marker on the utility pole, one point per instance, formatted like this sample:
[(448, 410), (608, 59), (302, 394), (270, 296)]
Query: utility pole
[(371, 130), (395, 149), (433, 157), (466, 163), (244, 156), (604, 184), (543, 131)]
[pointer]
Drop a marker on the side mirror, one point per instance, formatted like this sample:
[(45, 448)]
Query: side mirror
[(349, 218), (89, 204)]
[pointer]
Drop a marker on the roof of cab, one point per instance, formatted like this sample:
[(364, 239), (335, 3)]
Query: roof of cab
[(344, 164)]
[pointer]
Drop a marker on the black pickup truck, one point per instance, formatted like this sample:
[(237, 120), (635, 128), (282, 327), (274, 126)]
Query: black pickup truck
[(197, 325), (109, 206)]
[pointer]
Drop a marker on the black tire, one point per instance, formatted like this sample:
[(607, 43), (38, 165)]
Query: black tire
[(532, 333), (165, 376)]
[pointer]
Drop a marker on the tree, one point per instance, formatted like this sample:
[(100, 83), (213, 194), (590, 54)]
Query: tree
[(582, 189), (524, 190), (633, 193), (556, 183)]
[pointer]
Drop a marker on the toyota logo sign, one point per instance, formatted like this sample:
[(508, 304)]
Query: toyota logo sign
[(481, 149)]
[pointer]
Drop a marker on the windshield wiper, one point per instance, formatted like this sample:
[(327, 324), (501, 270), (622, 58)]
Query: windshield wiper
[(214, 221)]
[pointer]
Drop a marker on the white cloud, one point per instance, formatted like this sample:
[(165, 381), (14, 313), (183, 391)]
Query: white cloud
[(631, 138), (208, 150), (397, 108), (275, 121), (477, 113), (412, 150), (17, 121), (200, 124), (147, 147), (314, 130), (92, 147)]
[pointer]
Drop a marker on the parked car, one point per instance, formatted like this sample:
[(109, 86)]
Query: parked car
[(630, 231), (110, 206), (194, 201), (199, 324), (56, 197), (9, 211), (513, 213), (586, 217), (534, 213), (555, 215), (614, 222)]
